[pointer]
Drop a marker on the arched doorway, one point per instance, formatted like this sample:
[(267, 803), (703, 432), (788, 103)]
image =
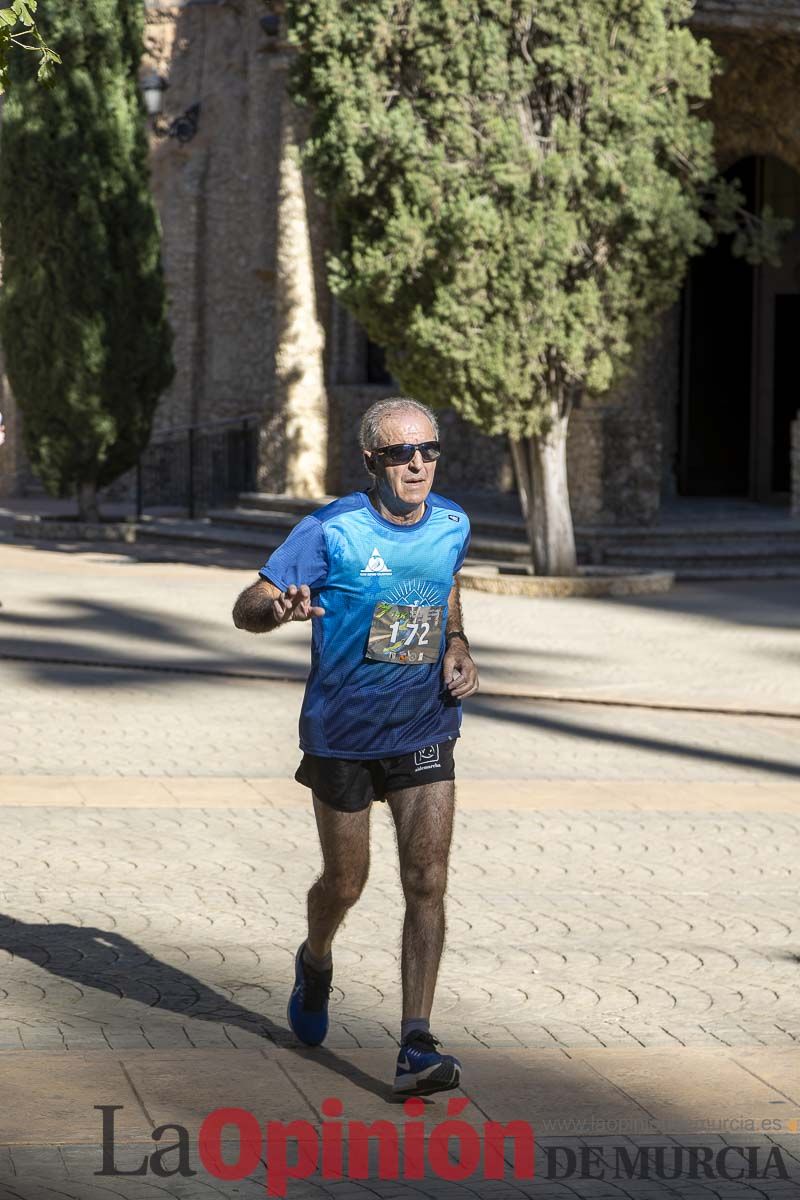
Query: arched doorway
[(740, 388)]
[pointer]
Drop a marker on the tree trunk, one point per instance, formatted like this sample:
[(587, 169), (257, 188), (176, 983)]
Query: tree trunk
[(87, 502), (540, 464)]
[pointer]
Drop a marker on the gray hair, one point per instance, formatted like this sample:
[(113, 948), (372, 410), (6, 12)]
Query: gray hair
[(369, 435)]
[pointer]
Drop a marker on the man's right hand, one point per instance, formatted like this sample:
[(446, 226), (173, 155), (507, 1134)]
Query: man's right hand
[(295, 605), (263, 606)]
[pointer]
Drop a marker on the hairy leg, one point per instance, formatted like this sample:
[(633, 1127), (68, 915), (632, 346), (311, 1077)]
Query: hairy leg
[(423, 819), (344, 838)]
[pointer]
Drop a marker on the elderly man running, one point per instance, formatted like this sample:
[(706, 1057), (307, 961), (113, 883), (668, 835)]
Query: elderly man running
[(377, 571)]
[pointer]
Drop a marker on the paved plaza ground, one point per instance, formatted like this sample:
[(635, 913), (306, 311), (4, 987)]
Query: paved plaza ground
[(623, 942)]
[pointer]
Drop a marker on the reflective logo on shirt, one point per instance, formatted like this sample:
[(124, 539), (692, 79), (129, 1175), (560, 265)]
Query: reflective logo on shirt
[(376, 565)]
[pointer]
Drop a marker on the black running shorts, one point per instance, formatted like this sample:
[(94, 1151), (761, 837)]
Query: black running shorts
[(351, 784)]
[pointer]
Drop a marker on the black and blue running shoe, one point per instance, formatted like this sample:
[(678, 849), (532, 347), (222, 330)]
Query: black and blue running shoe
[(308, 1003), (422, 1070)]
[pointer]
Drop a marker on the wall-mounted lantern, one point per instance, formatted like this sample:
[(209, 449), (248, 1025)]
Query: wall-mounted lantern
[(183, 127), (153, 87)]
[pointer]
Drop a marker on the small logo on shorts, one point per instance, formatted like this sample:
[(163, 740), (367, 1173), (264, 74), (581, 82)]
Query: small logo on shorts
[(426, 758)]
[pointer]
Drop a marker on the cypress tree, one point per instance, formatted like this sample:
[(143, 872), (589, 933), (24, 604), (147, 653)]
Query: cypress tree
[(517, 188), (83, 306)]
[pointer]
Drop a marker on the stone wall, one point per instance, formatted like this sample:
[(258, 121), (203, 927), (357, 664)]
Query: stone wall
[(244, 240), (217, 199), (775, 16), (641, 429), (750, 107), (622, 446)]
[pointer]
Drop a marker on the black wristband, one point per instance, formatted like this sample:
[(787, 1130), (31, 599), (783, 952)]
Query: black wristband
[(455, 633)]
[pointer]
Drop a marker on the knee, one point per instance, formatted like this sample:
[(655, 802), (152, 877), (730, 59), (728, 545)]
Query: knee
[(343, 888), (425, 884)]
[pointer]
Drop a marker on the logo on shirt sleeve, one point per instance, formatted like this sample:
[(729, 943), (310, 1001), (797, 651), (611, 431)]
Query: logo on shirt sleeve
[(376, 565)]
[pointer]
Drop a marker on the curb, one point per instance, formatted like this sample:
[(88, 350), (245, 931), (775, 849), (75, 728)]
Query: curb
[(591, 581), (36, 527), (610, 701)]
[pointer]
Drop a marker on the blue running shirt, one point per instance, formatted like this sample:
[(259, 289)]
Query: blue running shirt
[(351, 557)]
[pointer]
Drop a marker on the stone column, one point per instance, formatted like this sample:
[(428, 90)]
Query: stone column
[(300, 337)]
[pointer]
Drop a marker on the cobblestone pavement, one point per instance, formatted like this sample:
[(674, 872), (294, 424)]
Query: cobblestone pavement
[(166, 931), (623, 942), (57, 719), (600, 928)]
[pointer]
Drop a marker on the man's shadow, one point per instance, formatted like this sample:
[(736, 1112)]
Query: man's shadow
[(109, 962)]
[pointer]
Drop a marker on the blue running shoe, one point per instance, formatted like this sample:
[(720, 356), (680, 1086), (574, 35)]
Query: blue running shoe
[(308, 1003), (422, 1070)]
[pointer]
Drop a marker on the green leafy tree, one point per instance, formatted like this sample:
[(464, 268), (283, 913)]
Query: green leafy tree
[(83, 307), (18, 31), (517, 188)]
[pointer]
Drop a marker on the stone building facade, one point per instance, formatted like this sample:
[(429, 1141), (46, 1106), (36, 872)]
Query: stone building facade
[(258, 334)]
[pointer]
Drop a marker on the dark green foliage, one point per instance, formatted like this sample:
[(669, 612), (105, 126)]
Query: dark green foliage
[(83, 308), (517, 186), (19, 34)]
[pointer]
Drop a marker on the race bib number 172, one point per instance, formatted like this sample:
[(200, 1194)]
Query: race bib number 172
[(405, 633)]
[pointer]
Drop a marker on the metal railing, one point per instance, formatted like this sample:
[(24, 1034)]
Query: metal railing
[(197, 467)]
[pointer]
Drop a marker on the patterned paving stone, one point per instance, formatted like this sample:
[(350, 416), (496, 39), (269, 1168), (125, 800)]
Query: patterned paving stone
[(147, 931), (614, 929), (178, 726)]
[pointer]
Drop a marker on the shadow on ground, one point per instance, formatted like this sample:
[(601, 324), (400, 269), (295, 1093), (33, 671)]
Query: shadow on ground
[(197, 554), (106, 961), (114, 965), (750, 603), (534, 715), (49, 647)]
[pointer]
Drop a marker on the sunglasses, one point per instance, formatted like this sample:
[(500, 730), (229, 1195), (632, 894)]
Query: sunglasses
[(396, 456)]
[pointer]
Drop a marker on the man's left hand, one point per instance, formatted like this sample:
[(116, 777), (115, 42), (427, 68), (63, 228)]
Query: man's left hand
[(460, 672)]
